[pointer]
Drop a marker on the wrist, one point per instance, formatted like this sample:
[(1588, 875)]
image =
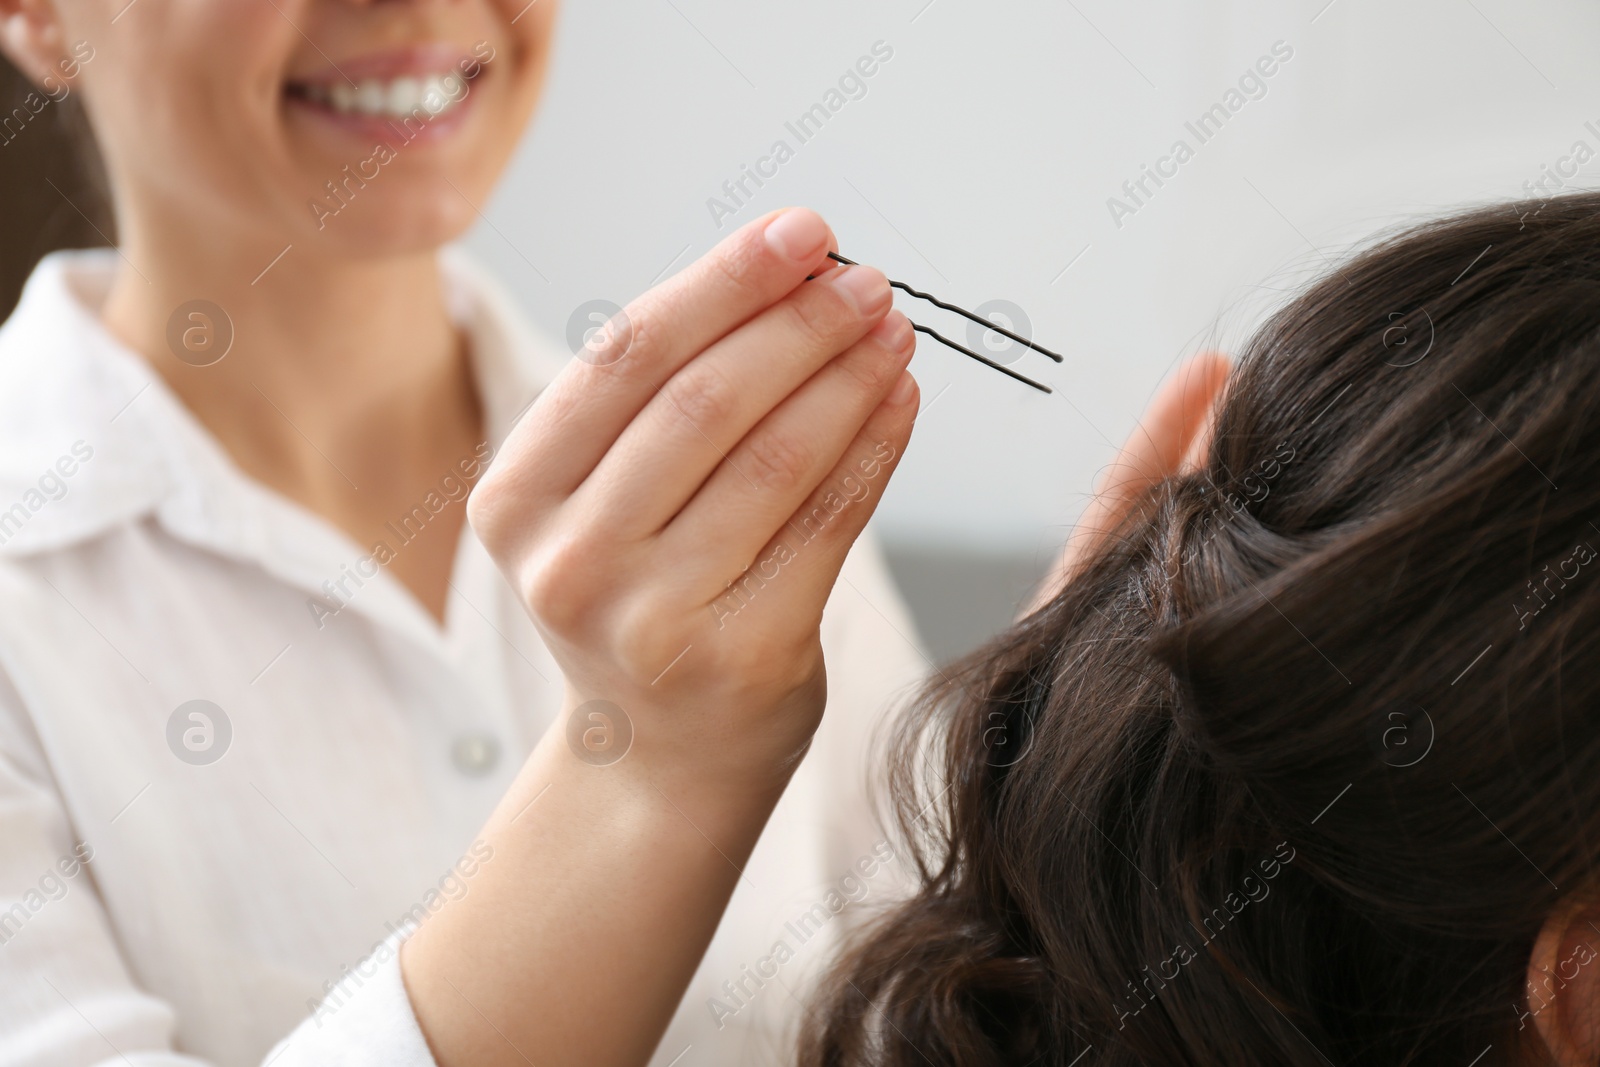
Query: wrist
[(696, 754), (725, 796)]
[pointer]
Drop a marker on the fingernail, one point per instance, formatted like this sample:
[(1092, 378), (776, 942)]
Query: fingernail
[(797, 235), (864, 287), (894, 332), (903, 390)]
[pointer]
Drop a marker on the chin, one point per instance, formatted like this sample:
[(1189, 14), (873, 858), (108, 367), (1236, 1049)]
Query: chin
[(396, 221)]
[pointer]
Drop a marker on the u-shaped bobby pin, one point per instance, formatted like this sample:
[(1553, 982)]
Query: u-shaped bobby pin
[(980, 320)]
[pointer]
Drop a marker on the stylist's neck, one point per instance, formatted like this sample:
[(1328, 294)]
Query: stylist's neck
[(347, 387), (344, 345)]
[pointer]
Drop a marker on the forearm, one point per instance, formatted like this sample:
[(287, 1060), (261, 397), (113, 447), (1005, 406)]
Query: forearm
[(575, 945)]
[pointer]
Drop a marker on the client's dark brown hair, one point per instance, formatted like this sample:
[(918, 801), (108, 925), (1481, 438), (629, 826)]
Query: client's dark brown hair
[(1291, 771)]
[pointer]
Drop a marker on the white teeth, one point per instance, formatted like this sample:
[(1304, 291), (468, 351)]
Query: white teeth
[(398, 98), (433, 95), (404, 95), (371, 99)]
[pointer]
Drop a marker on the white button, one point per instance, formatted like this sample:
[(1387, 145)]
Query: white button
[(475, 754)]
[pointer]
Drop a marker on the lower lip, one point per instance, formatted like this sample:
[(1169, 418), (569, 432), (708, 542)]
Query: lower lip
[(395, 132)]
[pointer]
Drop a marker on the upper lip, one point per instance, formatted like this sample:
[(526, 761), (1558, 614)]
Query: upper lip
[(432, 57)]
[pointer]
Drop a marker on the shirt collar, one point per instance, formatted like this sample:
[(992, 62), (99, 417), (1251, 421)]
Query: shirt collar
[(91, 438)]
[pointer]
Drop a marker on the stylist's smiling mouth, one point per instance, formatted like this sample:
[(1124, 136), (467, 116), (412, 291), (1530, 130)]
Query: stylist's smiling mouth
[(347, 128), (416, 92)]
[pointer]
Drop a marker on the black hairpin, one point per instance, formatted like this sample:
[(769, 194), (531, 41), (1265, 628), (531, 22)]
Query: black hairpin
[(979, 319)]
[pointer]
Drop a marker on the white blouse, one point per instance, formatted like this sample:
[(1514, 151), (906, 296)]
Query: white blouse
[(232, 776)]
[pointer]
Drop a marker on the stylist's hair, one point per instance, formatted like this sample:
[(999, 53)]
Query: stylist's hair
[(1298, 764), (53, 191)]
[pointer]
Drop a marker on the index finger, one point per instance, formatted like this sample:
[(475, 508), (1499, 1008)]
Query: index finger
[(582, 413)]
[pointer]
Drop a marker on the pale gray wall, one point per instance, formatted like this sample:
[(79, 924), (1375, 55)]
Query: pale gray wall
[(979, 164)]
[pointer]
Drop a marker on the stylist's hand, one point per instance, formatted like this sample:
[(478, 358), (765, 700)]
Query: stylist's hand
[(737, 435), (670, 508)]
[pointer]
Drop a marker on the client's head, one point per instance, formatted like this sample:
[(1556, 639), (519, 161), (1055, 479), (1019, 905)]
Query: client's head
[(1302, 766)]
